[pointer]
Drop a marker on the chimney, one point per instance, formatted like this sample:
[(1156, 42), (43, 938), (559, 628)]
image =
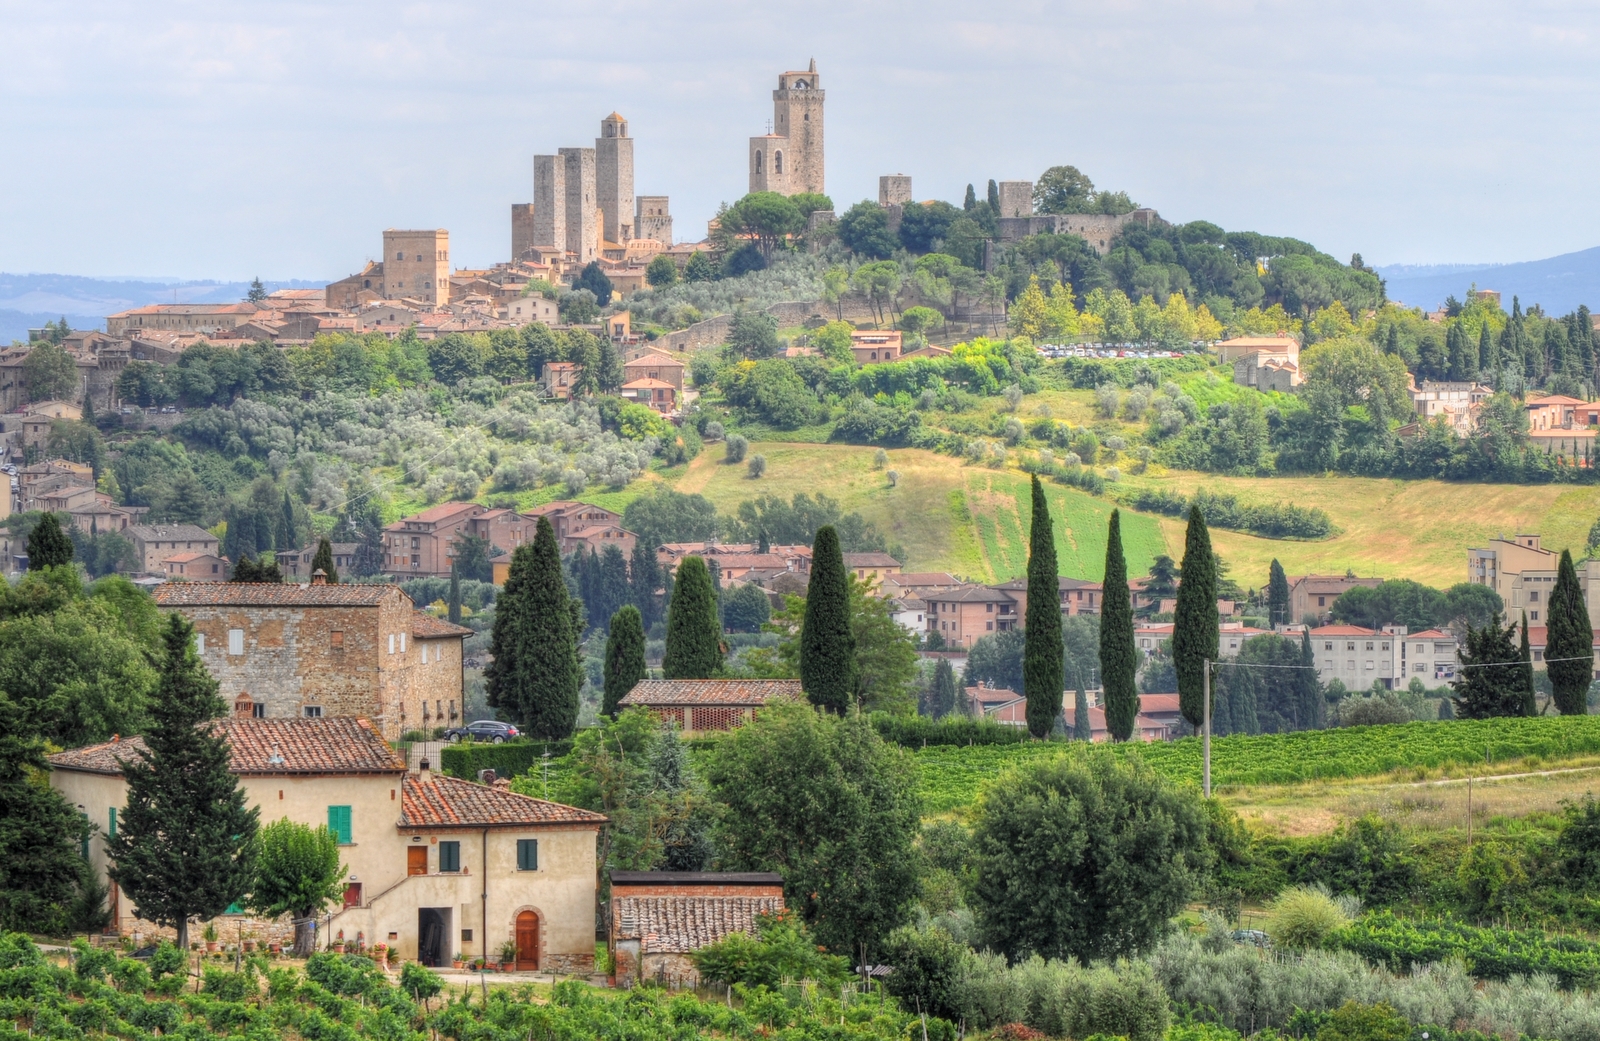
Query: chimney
[(422, 767), (319, 577)]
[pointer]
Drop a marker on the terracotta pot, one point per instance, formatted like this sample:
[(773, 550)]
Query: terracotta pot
[(338, 948), (275, 948), (211, 947), (249, 946), (458, 965)]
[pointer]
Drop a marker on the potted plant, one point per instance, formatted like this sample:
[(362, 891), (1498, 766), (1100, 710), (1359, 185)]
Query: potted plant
[(459, 961), (275, 948), (380, 953), (508, 955), (361, 943), (338, 943), (210, 937)]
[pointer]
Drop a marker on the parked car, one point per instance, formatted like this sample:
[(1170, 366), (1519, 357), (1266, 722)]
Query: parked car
[(491, 730)]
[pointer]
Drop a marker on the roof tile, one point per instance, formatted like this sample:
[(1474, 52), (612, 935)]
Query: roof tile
[(435, 800), (710, 692), (679, 924), (334, 745), (266, 594)]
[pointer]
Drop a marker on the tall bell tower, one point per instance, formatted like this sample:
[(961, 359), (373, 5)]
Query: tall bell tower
[(789, 158)]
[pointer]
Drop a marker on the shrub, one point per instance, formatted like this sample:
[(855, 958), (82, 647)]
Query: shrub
[(1304, 917), (757, 467), (781, 950), (507, 760), (1107, 400), (734, 449), (880, 459)]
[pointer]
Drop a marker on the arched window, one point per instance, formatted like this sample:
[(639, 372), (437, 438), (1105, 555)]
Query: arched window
[(400, 256), (777, 162), (758, 160)]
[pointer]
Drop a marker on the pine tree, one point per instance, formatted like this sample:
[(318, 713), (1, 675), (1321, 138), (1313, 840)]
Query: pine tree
[(694, 639), (1082, 727), (185, 840), (1119, 658), (1490, 683), (1194, 630), (48, 545), (827, 644), (624, 666), (1043, 653), (40, 832), (944, 689), (1277, 595), (453, 604), (1569, 644), (535, 673), (246, 570), (1530, 700), (323, 559)]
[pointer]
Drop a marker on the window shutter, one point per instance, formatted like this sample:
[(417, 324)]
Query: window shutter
[(527, 854), (339, 823), (449, 856), (112, 830)]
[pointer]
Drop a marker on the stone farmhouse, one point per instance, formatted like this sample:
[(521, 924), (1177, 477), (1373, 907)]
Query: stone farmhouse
[(154, 544), (659, 917), (436, 865), (698, 706), (320, 651)]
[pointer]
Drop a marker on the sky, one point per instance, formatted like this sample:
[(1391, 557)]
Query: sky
[(226, 140)]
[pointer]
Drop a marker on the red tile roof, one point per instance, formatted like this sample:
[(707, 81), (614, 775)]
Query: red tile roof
[(870, 560), (335, 745), (679, 924), (1343, 630), (710, 692), (262, 594), (435, 800), (425, 626)]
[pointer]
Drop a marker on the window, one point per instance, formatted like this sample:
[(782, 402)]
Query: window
[(111, 830), (1322, 601), (336, 639), (1533, 616), (527, 854), (402, 643), (449, 856), (258, 710), (1369, 645), (199, 643), (989, 626), (339, 824), (312, 711), (235, 641), (1350, 646), (1327, 646), (1533, 597), (391, 643), (1369, 664)]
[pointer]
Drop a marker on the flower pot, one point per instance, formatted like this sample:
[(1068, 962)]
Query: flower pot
[(458, 964), (275, 948), (507, 966), (338, 948), (211, 947), (249, 946)]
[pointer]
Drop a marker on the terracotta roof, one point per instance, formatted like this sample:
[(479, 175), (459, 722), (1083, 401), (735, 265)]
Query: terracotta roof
[(1343, 630), (170, 533), (870, 560), (261, 594), (646, 383), (710, 692), (436, 513), (435, 800), (679, 924), (1431, 634), (993, 695), (425, 626), (972, 594), (696, 878), (332, 745), (184, 558), (924, 578), (1157, 703), (658, 360)]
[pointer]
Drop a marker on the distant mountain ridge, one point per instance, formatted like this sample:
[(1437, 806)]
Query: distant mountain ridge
[(28, 301), (1558, 284)]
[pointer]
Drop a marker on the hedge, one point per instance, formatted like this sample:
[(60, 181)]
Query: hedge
[(506, 760), (917, 731)]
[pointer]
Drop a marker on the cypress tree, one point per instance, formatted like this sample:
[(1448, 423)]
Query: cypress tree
[(694, 639), (624, 665), (1082, 728), (185, 841), (1569, 643), (1313, 707), (1277, 595), (644, 578), (453, 604), (944, 689), (323, 559), (1042, 650), (613, 581), (535, 673), (1119, 658), (288, 536), (1530, 701), (827, 644), (48, 545), (1488, 357), (1194, 630)]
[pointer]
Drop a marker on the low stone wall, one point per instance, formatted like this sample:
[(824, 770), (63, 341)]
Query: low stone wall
[(568, 964), (713, 332)]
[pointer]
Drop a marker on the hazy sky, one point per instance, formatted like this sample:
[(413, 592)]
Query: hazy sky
[(222, 140)]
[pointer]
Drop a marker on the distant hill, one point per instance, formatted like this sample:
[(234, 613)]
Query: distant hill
[(1560, 284), (28, 301)]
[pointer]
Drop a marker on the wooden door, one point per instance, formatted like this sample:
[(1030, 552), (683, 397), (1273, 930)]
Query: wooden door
[(416, 860), (527, 941)]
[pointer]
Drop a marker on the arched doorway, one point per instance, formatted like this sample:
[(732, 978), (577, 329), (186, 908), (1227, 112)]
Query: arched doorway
[(527, 942)]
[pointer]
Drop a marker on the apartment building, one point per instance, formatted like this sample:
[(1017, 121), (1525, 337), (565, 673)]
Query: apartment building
[(968, 613), (1312, 596), (1431, 656), (1524, 574), (424, 543), (1356, 656)]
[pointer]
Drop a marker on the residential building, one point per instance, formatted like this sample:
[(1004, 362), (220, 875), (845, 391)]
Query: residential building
[(424, 543), (966, 614), (296, 563), (1559, 412), (433, 864), (739, 557), (1524, 574), (1312, 596), (929, 351), (1357, 656), (1145, 728), (154, 543), (1281, 349), (872, 567), (1267, 371), (1457, 403), (582, 525), (657, 394), (659, 917), (36, 422), (1000, 704), (321, 650), (1538, 637), (197, 567), (918, 583), (205, 319), (910, 613), (653, 365), (696, 706), (872, 347), (560, 379), (1431, 656)]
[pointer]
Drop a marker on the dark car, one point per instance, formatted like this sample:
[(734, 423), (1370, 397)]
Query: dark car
[(489, 730)]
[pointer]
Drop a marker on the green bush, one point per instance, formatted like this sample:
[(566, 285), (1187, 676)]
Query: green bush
[(1303, 917), (781, 951), (508, 760)]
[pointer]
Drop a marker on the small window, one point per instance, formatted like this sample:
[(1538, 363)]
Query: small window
[(391, 643), (527, 854), (336, 639), (402, 643), (313, 711), (339, 824), (258, 710), (235, 641), (449, 856), (199, 643), (111, 830)]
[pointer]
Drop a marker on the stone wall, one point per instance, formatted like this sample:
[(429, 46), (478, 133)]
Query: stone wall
[(713, 332)]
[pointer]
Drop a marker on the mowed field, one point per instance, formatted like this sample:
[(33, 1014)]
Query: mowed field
[(972, 521)]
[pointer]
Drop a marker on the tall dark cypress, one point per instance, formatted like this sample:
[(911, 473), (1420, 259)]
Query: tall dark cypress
[(1312, 712), (453, 603), (1530, 701), (1194, 629), (612, 581), (288, 535), (48, 545), (1082, 727), (1488, 357), (1569, 643), (827, 643), (644, 579), (1119, 658), (694, 637), (944, 689), (184, 842), (535, 674), (323, 559), (1277, 595), (1043, 654), (624, 666)]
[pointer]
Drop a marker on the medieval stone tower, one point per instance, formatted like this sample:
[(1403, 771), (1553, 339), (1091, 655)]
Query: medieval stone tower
[(613, 179), (788, 159)]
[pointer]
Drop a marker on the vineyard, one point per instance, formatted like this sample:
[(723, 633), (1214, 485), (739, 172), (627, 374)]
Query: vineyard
[(1491, 954), (952, 776)]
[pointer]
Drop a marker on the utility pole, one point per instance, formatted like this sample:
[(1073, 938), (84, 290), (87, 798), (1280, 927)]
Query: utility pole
[(1205, 698)]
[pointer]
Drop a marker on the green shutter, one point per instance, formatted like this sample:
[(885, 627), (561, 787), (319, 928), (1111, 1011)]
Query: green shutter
[(85, 836), (339, 824), (527, 854), (112, 831), (449, 856)]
